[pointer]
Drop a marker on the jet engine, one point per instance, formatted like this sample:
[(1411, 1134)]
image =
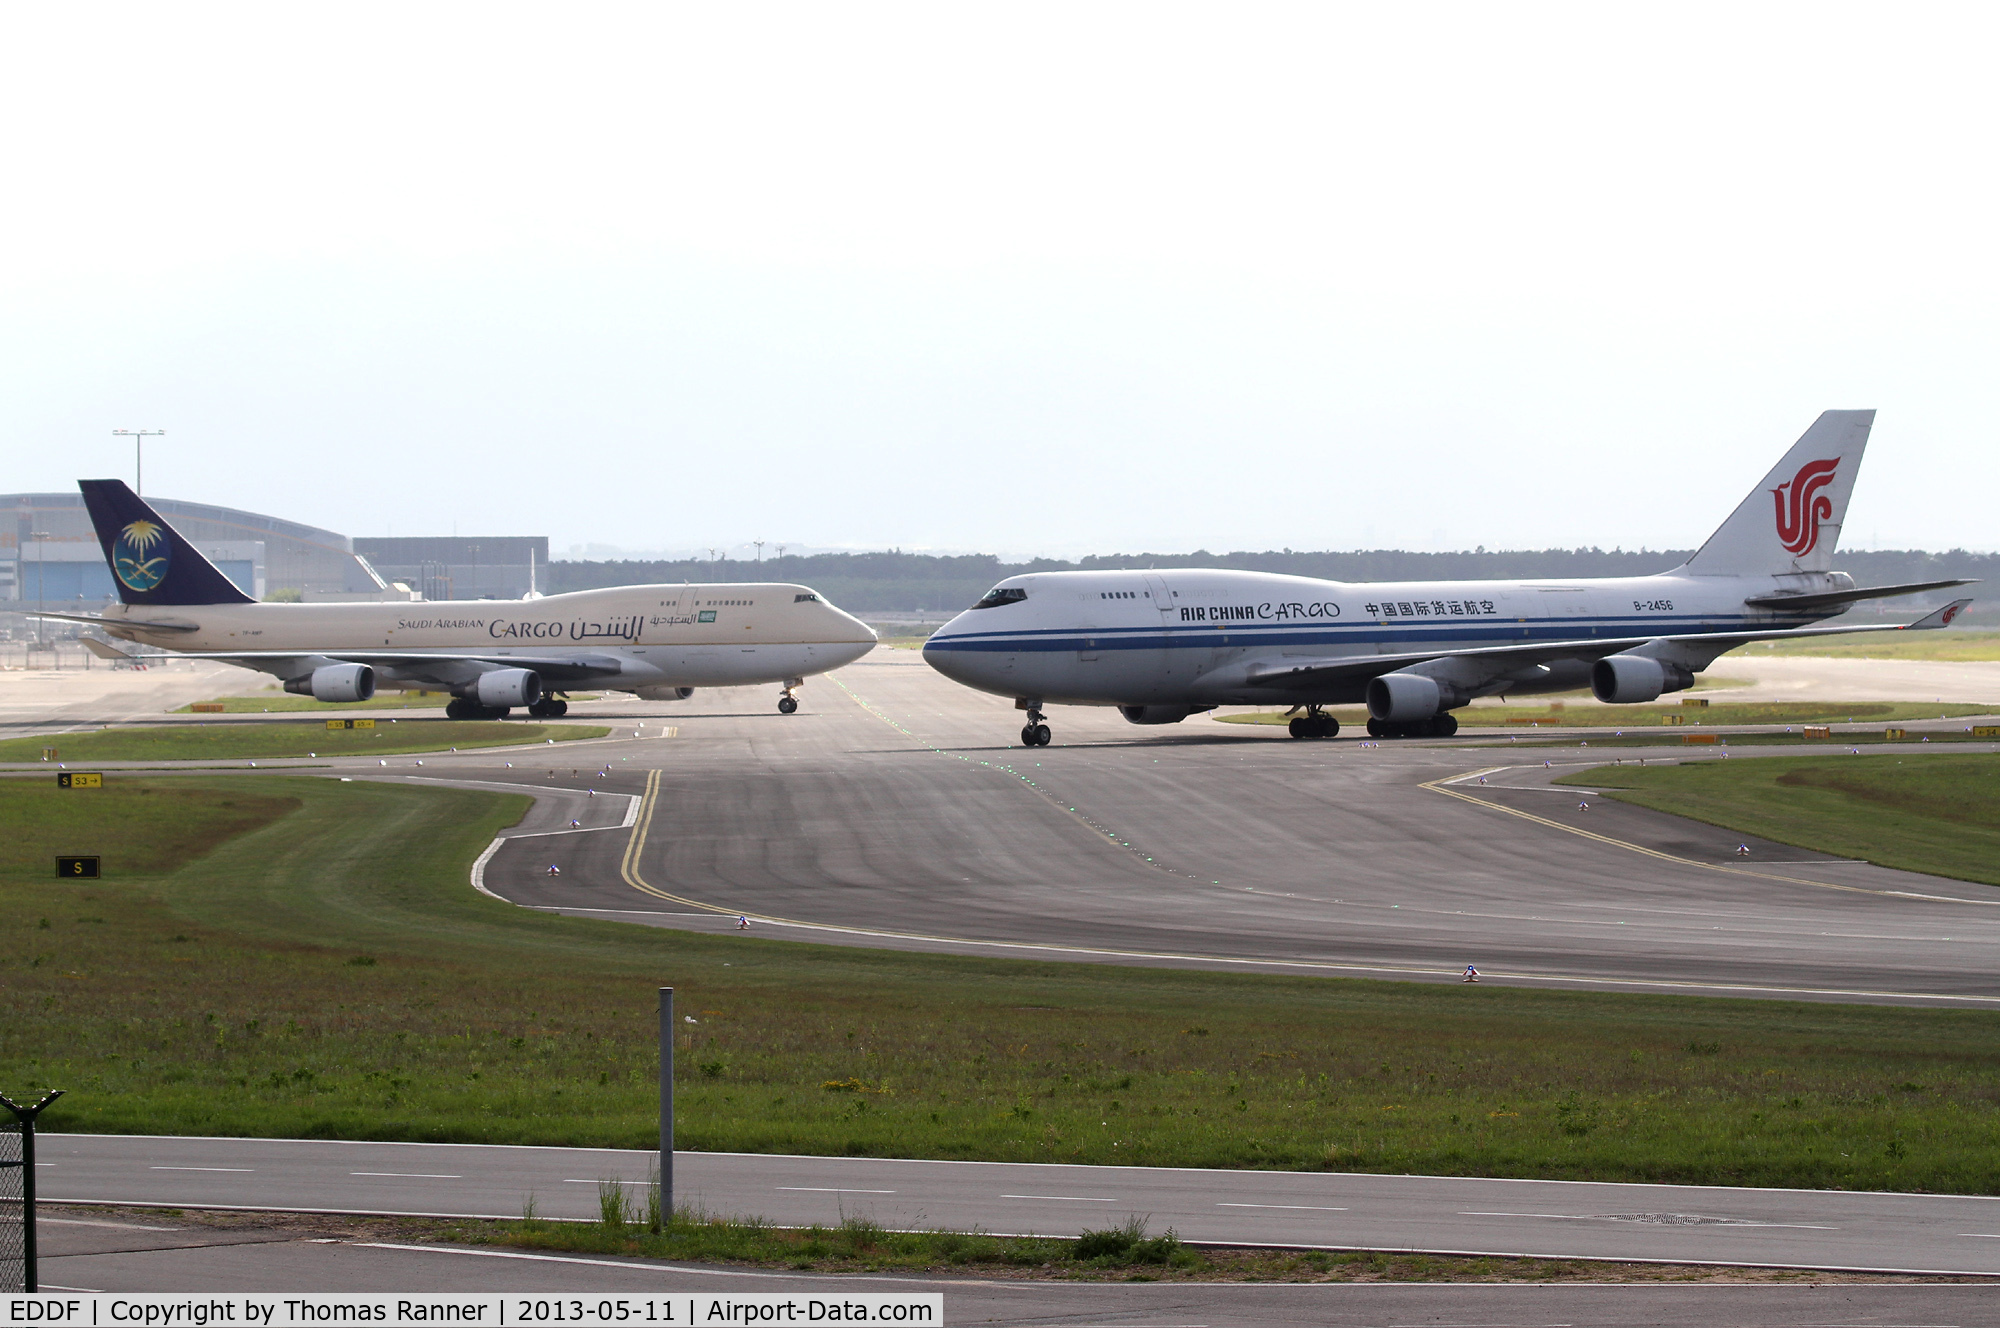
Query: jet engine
[(664, 693), (1630, 679), (502, 688), (1399, 698), (335, 682), (1159, 714)]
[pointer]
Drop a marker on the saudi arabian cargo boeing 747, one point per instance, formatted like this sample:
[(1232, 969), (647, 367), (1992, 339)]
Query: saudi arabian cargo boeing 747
[(1163, 645), (658, 642)]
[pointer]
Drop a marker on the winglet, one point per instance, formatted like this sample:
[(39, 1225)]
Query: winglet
[(1942, 618)]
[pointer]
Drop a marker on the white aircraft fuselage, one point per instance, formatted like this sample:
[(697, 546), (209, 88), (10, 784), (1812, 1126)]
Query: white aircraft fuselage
[(1203, 636), (625, 638)]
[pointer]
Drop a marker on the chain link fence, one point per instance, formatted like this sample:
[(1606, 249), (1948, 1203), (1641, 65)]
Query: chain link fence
[(13, 1208)]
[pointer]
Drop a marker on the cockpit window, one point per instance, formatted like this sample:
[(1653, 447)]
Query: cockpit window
[(999, 595), (801, 599)]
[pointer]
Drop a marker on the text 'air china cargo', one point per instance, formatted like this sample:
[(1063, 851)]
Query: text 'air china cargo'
[(658, 642), (1168, 644)]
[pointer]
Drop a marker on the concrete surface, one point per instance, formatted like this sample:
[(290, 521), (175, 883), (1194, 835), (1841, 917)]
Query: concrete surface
[(1673, 1223)]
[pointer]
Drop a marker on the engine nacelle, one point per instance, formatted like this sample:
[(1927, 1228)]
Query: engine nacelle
[(1633, 679), (664, 693), (335, 682), (1159, 714), (1398, 698), (502, 688)]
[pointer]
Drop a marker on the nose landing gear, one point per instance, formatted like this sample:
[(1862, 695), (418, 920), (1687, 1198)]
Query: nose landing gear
[(1035, 733), (1314, 723), (787, 703)]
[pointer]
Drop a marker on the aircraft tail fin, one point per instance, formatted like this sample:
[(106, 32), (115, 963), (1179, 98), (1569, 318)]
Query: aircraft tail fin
[(150, 561), (1791, 522)]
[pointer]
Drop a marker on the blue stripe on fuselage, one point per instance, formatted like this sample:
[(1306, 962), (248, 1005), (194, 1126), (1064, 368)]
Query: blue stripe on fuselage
[(1254, 635)]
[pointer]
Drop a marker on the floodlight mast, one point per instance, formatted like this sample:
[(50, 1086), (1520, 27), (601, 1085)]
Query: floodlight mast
[(139, 437)]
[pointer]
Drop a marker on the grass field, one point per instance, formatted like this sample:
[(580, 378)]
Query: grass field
[(237, 740), (1933, 813), (860, 1246), (302, 979), (1950, 644), (278, 703), (1591, 714)]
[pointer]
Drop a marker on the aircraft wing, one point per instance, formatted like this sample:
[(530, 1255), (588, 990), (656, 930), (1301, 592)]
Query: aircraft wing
[(445, 669), (1347, 667)]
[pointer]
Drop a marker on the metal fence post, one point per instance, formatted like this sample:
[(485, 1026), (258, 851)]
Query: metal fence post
[(24, 1118), (666, 1106)]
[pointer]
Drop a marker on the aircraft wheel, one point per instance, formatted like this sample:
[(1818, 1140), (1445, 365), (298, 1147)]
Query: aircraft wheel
[(787, 705), (1029, 738), (1376, 728), (460, 709), (1327, 727), (1042, 735), (1444, 725), (558, 708), (1300, 727)]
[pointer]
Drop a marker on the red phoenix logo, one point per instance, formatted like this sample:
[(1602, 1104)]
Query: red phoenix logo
[(1801, 506), (1950, 612)]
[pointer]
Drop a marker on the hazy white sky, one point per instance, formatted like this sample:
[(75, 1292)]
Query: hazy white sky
[(1055, 279)]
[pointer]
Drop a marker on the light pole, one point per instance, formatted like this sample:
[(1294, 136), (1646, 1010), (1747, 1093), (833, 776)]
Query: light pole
[(760, 551), (139, 437), (38, 536)]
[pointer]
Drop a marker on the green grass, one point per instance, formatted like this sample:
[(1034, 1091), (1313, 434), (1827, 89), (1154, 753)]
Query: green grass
[(1949, 644), (1842, 738), (330, 974), (1593, 714), (1933, 813), (276, 702), (196, 741)]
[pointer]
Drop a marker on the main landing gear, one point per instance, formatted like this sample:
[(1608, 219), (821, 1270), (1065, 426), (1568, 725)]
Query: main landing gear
[(1314, 723), (464, 709), (1437, 726), (1035, 733), (549, 707), (787, 703)]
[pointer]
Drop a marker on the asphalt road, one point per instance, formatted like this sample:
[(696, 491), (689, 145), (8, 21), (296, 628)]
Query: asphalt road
[(893, 811), (147, 1254), (1691, 1224)]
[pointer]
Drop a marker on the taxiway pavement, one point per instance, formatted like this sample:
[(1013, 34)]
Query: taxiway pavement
[(895, 811), (1564, 1219)]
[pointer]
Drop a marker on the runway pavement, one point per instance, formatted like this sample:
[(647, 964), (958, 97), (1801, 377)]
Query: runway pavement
[(1662, 1223), (894, 812)]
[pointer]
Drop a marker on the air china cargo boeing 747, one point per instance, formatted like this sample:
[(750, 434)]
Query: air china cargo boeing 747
[(1168, 644), (659, 642)]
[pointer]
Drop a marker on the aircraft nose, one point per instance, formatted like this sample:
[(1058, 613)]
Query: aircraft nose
[(949, 657)]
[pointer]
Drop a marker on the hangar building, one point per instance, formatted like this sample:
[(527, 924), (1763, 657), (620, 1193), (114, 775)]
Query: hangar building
[(49, 553)]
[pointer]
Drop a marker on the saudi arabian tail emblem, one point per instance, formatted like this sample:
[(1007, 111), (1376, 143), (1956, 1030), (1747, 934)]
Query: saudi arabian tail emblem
[(1801, 506), (140, 555)]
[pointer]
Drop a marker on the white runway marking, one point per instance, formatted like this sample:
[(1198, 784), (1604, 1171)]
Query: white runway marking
[(408, 1175), (244, 1169), (1058, 1198), (1313, 1208), (828, 1189)]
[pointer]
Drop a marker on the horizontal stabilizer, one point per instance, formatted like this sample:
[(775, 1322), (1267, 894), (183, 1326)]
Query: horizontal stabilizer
[(1833, 598)]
